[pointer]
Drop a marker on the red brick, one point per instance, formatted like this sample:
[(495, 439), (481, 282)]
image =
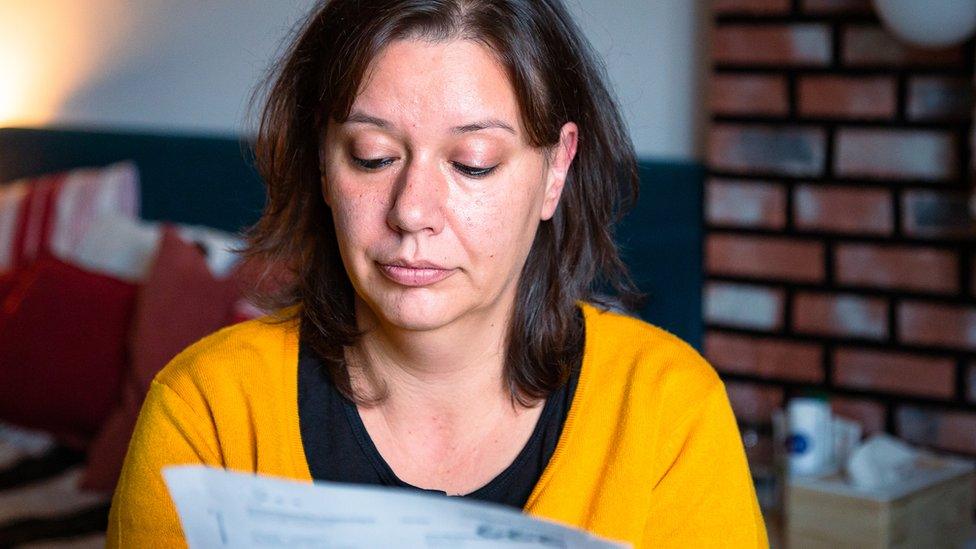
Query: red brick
[(800, 45), (753, 403), (781, 150), (748, 94), (937, 324), (843, 209), (902, 267), (953, 431), (896, 154), (765, 7), (845, 315), (940, 98), (764, 257), (873, 45), (744, 305), (870, 414), (851, 97), (895, 372), (837, 6), (745, 204), (937, 214), (971, 382), (765, 357)]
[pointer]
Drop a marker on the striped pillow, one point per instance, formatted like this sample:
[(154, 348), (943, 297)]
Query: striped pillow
[(51, 213)]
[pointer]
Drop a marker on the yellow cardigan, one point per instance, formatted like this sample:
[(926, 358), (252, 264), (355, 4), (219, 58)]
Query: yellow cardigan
[(650, 452)]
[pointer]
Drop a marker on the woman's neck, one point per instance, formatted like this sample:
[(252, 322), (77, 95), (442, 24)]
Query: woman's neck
[(453, 372), (447, 420)]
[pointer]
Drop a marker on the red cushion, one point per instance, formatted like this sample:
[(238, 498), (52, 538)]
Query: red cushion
[(7, 281), (179, 303), (62, 347)]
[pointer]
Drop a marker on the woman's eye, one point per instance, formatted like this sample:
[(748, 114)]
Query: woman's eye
[(372, 163), (472, 171)]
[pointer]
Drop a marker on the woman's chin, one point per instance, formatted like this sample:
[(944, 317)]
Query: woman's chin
[(411, 324), (418, 313)]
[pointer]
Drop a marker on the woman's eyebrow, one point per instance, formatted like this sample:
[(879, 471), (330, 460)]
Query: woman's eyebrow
[(357, 117), (483, 125)]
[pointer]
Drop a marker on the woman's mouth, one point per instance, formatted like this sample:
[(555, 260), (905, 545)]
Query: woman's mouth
[(414, 274)]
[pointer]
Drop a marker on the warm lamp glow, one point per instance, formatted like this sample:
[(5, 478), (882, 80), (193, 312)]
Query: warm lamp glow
[(14, 76), (49, 49)]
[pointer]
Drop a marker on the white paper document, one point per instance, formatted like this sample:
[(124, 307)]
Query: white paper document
[(220, 508)]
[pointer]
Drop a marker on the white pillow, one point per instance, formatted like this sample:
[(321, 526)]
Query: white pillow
[(125, 248), (218, 244), (118, 246)]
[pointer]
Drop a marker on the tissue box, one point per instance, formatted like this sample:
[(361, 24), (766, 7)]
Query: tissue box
[(933, 508)]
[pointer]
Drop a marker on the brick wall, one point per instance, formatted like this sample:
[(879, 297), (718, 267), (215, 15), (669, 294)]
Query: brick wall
[(839, 248)]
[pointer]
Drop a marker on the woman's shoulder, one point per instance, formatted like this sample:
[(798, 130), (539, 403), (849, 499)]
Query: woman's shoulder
[(249, 351), (626, 347)]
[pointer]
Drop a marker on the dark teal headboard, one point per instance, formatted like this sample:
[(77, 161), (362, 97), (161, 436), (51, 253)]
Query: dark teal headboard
[(211, 181), (199, 180), (661, 241)]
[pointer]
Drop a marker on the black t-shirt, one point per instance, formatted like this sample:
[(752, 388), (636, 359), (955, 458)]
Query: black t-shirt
[(338, 447)]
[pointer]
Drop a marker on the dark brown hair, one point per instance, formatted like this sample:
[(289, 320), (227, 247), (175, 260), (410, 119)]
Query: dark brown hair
[(556, 79)]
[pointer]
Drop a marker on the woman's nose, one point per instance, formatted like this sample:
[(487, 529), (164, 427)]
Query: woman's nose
[(418, 199)]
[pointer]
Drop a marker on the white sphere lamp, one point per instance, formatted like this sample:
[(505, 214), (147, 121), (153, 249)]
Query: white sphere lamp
[(929, 23)]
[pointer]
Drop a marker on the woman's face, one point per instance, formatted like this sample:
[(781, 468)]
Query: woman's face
[(435, 193)]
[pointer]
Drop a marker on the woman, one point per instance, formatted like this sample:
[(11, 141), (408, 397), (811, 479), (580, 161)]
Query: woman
[(442, 177)]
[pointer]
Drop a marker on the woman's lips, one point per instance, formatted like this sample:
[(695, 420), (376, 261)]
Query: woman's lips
[(421, 275)]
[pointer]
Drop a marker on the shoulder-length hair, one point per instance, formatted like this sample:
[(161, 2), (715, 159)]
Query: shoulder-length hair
[(556, 79)]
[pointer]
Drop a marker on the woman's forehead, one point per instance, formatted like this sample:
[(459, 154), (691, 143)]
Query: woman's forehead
[(456, 86)]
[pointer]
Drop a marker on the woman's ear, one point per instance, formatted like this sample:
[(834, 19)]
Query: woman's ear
[(560, 159)]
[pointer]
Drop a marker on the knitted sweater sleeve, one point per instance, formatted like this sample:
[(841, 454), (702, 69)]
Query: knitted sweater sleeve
[(168, 432), (705, 497)]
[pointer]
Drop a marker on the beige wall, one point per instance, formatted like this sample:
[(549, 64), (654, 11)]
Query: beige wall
[(190, 64)]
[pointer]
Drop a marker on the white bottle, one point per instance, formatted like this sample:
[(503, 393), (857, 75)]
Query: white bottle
[(810, 436)]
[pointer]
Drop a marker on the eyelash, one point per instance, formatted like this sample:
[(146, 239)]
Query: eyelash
[(375, 164)]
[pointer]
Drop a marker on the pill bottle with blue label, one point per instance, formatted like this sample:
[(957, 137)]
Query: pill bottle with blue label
[(810, 437)]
